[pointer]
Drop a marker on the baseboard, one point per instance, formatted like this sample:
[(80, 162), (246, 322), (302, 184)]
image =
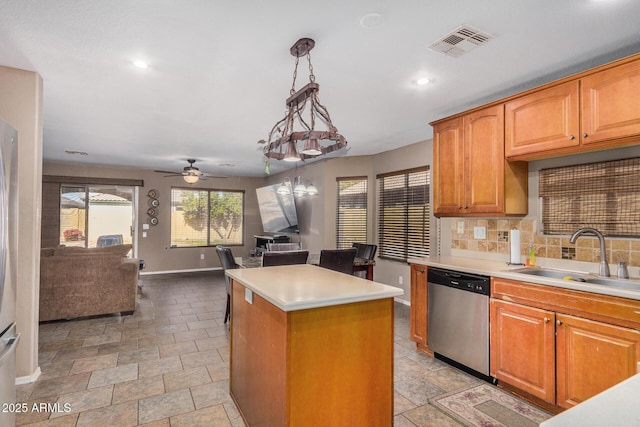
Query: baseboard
[(29, 378), (402, 301), (194, 270)]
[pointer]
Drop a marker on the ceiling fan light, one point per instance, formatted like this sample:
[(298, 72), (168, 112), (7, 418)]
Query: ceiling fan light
[(190, 179), (312, 148)]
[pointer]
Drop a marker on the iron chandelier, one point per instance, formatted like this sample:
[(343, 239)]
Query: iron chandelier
[(283, 137)]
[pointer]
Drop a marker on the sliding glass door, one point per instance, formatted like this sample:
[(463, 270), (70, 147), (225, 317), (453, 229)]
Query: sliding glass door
[(96, 215)]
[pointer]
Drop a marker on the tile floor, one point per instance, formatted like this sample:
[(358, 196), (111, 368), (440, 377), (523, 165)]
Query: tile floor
[(168, 365)]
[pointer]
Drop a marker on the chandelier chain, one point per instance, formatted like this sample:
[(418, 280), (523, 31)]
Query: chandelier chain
[(295, 75), (312, 77)]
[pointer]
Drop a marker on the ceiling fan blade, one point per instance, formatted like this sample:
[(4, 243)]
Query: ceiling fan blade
[(212, 176), (171, 172)]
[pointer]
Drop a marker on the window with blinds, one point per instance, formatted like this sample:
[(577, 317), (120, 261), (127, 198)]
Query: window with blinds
[(351, 212), (403, 214), (206, 217), (604, 195)]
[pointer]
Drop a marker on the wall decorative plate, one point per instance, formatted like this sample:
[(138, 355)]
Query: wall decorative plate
[(154, 202), (153, 221), (152, 212), (153, 194)]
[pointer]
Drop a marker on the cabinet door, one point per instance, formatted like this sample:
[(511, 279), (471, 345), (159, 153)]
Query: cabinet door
[(522, 348), (448, 167), (591, 357), (484, 161), (418, 314), (542, 121), (611, 104)]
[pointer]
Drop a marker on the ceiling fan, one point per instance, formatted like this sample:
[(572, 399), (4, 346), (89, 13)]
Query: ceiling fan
[(190, 174)]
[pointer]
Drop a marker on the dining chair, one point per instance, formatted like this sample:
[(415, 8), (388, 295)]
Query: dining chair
[(284, 258), (228, 263), (275, 247), (338, 259), (365, 250)]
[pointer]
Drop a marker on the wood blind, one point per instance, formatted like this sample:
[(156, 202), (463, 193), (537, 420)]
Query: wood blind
[(351, 213), (403, 214), (604, 195)]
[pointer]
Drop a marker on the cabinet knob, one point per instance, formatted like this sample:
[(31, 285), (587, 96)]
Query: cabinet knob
[(547, 320), (559, 322), (572, 137), (584, 135)]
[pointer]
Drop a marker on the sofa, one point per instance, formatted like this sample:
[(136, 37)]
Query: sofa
[(78, 282)]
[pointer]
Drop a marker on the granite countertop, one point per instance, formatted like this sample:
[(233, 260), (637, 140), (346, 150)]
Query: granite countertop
[(503, 270), (298, 287)]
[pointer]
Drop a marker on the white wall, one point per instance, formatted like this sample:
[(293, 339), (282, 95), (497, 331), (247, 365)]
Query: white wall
[(21, 106), (411, 156)]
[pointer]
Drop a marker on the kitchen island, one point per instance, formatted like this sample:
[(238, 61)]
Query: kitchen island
[(310, 345)]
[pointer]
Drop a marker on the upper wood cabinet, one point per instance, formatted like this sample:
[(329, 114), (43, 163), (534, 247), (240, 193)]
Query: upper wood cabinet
[(591, 112), (543, 121), (611, 104), (471, 177)]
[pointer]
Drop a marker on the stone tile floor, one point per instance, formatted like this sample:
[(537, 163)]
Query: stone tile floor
[(168, 365)]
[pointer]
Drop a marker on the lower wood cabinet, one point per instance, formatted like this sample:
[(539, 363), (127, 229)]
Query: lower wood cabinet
[(418, 313), (523, 348), (591, 357), (560, 358)]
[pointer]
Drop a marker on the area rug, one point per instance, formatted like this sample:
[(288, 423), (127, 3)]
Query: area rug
[(484, 405)]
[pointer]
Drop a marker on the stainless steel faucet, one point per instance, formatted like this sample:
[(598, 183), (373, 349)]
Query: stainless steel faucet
[(604, 265)]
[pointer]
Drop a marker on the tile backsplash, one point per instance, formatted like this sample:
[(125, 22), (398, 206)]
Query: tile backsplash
[(586, 248)]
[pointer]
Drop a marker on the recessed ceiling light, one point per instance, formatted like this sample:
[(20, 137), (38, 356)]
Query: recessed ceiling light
[(371, 20), (140, 64), (423, 81)]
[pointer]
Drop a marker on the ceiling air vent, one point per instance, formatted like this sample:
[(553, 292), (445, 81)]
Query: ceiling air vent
[(460, 41)]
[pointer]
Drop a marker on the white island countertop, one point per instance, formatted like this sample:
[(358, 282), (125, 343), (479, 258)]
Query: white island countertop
[(298, 287), (617, 406)]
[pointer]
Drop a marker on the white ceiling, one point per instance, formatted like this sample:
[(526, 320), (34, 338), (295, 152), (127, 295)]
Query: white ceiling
[(221, 70)]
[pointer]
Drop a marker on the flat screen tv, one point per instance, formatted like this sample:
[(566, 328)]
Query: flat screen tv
[(277, 211)]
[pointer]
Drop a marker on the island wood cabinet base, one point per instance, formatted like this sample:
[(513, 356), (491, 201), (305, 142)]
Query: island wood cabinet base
[(329, 365)]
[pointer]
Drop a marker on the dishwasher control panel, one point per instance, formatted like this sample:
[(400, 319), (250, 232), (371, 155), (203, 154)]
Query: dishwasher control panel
[(464, 281)]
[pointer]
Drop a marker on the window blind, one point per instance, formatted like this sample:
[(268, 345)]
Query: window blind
[(351, 212), (603, 195), (403, 214)]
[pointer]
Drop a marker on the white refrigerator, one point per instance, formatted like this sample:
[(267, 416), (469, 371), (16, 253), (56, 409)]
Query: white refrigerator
[(8, 251)]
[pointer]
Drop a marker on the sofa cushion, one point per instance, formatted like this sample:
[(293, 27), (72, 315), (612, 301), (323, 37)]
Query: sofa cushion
[(120, 250), (44, 252)]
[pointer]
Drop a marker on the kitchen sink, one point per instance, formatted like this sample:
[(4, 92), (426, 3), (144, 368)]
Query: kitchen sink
[(580, 277), (552, 273)]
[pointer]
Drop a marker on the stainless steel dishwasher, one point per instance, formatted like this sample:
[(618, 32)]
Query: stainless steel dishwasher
[(458, 318)]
